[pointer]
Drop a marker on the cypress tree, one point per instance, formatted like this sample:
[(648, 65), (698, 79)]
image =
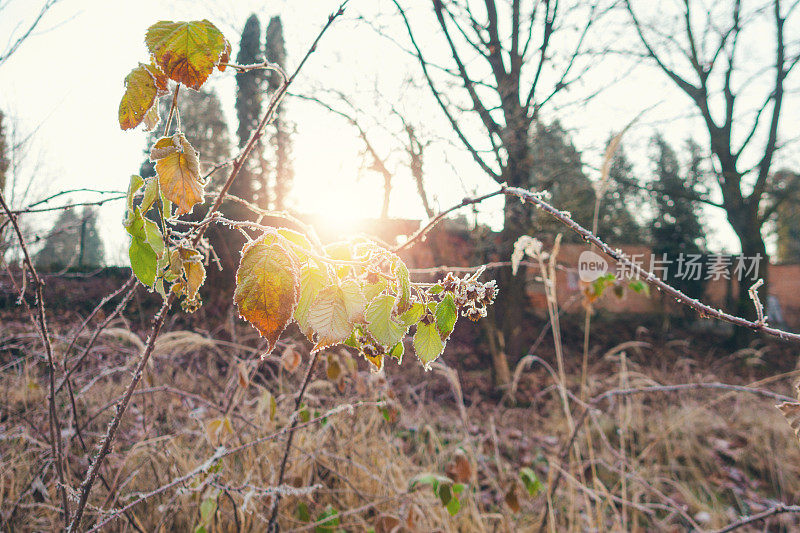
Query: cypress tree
[(275, 48), (250, 185)]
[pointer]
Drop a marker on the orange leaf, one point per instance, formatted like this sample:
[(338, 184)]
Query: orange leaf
[(266, 287), (225, 57), (291, 359), (459, 469), (187, 52)]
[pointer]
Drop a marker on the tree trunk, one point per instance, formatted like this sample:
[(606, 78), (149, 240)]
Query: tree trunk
[(753, 248)]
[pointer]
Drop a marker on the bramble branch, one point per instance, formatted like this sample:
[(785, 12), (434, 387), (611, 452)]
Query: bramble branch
[(159, 320)]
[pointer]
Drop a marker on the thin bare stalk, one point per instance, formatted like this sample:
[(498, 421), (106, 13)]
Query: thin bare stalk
[(222, 453), (40, 320), (272, 526)]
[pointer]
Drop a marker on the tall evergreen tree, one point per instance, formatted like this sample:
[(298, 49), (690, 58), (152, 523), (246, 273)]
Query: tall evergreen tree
[(558, 169), (74, 242), (787, 219), (677, 228), (621, 199), (275, 49), (251, 183), (91, 252)]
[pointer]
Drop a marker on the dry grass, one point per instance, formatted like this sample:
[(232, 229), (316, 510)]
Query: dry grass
[(657, 462)]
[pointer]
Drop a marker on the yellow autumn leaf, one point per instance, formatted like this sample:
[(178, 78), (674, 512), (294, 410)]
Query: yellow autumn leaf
[(139, 98), (178, 169), (187, 52)]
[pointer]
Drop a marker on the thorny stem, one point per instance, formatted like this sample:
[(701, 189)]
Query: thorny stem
[(705, 310), (616, 255), (272, 526), (40, 320), (130, 286), (105, 446), (158, 323)]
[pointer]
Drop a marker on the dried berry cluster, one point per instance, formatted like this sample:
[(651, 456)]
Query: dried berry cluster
[(471, 296)]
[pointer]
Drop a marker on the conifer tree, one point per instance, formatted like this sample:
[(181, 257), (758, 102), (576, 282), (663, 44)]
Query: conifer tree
[(251, 183), (73, 242), (275, 48)]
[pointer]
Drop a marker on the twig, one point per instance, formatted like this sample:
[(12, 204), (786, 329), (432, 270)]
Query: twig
[(615, 254), (429, 226), (777, 509), (272, 527), (753, 292), (64, 207), (41, 323)]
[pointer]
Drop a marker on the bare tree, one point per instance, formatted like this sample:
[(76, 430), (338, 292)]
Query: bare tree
[(721, 56), (507, 60), (23, 32)]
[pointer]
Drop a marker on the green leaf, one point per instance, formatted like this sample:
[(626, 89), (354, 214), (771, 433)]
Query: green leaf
[(328, 317), (143, 261), (354, 300), (299, 241), (207, 509), (352, 340), (266, 287), (397, 352), (446, 315), (639, 286), (134, 185), (531, 481), (302, 512), (380, 322), (428, 344), (412, 314), (187, 52), (453, 506), (371, 290), (404, 284), (154, 237), (436, 289), (327, 526), (341, 251), (312, 280), (150, 194)]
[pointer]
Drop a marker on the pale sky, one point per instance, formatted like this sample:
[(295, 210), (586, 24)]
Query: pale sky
[(67, 80)]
